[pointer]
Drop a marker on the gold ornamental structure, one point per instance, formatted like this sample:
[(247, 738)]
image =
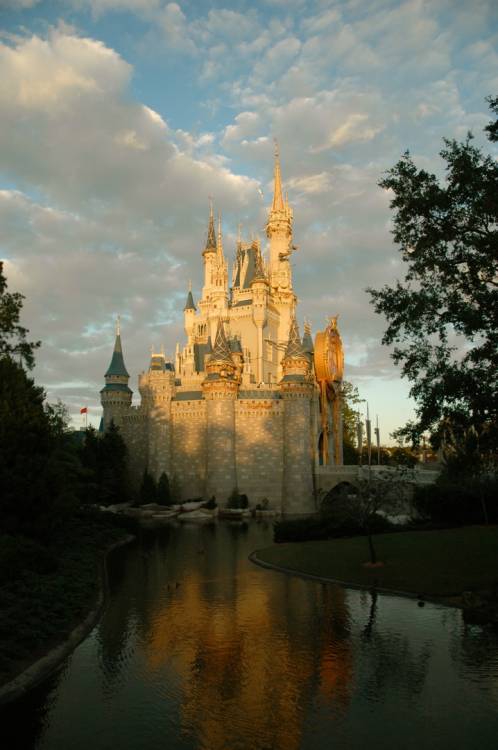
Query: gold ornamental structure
[(329, 371)]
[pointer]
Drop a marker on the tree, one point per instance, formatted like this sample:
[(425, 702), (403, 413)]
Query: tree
[(37, 475), (350, 405), (13, 341), (386, 492), (148, 489), (104, 459), (443, 317), (163, 490)]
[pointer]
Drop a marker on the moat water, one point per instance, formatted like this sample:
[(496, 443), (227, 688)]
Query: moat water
[(200, 648)]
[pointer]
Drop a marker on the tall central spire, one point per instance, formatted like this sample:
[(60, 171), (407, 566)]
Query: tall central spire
[(219, 242), (211, 235), (278, 199)]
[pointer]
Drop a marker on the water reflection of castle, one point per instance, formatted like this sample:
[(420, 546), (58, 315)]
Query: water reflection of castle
[(235, 647)]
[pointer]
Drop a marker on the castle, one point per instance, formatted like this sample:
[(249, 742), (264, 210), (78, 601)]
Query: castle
[(246, 405)]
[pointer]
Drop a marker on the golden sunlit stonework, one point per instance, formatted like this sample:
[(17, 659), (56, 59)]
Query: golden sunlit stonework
[(247, 403)]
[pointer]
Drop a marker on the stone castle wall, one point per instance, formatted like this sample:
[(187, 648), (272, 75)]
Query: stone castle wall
[(188, 448), (259, 449), (298, 456), (210, 446)]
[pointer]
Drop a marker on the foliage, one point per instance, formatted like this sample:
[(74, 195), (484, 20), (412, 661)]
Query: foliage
[(13, 343), (38, 471), (47, 588), (384, 492), (350, 405), (148, 489), (443, 317), (163, 490), (338, 518), (104, 461), (457, 503), (401, 456), (236, 501)]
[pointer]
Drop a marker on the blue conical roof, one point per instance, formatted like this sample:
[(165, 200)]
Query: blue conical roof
[(189, 304), (117, 366)]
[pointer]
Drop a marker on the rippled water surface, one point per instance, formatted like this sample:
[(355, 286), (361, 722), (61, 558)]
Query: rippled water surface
[(199, 648)]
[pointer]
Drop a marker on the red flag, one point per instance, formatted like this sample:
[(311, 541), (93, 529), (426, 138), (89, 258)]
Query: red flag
[(84, 410)]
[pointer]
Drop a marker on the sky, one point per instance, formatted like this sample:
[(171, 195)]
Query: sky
[(118, 118)]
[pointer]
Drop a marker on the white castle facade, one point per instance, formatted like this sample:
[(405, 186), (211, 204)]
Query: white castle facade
[(241, 407)]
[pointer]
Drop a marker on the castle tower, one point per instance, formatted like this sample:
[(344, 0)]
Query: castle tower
[(189, 315), (115, 396), (214, 301), (297, 388), (157, 388), (279, 232), (220, 390)]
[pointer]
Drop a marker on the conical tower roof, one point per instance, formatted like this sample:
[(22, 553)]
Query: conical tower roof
[(211, 246), (117, 366), (189, 304), (294, 345), (221, 349), (307, 339)]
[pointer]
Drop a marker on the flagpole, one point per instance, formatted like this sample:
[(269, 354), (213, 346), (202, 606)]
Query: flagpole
[(369, 443)]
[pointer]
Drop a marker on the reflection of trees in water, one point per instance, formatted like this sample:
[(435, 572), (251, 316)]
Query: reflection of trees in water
[(474, 650), (390, 662)]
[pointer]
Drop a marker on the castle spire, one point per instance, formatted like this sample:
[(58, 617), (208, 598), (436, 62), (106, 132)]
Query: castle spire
[(278, 200), (294, 345), (117, 365), (221, 349), (307, 339), (219, 242), (211, 235), (189, 304)]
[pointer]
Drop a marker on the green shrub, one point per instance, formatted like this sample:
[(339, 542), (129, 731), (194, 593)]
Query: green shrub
[(337, 521), (458, 503), (163, 492), (236, 501)]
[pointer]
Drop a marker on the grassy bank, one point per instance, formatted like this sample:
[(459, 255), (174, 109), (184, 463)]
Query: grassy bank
[(430, 563), (46, 590)]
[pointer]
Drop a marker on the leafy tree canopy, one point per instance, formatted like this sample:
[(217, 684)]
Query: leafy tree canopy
[(442, 318), (13, 341)]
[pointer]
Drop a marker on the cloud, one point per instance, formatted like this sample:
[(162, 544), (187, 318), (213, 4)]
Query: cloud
[(105, 196), (121, 209), (18, 4)]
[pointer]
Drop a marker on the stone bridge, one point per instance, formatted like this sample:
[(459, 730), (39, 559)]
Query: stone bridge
[(328, 477)]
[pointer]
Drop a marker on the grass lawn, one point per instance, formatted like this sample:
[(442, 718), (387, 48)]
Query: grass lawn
[(429, 563)]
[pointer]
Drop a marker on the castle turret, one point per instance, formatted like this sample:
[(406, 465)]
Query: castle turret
[(297, 390), (115, 396), (189, 315), (209, 254), (259, 287), (157, 388), (220, 390), (279, 232), (308, 341)]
